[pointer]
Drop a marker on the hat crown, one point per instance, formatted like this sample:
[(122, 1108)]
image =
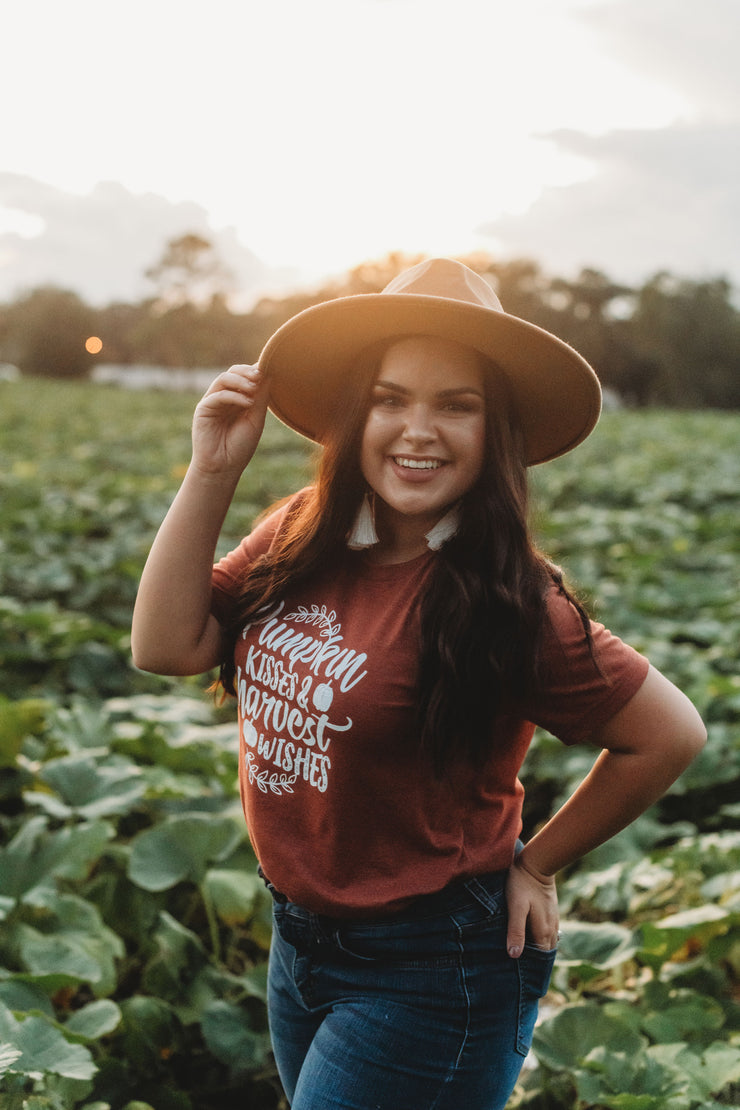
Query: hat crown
[(444, 277)]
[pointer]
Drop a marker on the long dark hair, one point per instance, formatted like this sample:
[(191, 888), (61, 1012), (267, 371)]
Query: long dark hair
[(483, 613), (482, 620)]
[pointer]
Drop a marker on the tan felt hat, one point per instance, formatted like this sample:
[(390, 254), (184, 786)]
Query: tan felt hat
[(310, 359)]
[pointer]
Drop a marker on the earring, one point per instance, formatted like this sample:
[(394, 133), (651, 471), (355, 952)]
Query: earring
[(444, 529), (363, 534)]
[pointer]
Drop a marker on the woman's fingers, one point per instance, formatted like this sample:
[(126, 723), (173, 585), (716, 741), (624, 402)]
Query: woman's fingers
[(236, 385), (533, 912), (229, 419)]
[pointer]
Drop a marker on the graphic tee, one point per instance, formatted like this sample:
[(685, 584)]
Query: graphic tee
[(345, 815)]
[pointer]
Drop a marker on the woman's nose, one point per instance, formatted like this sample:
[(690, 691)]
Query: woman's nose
[(419, 427)]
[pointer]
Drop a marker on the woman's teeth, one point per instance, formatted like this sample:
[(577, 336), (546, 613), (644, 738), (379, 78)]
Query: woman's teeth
[(417, 464)]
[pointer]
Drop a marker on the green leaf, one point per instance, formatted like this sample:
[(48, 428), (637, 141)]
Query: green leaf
[(20, 995), (694, 920), (684, 1016), (18, 719), (83, 725), (36, 856), (72, 941), (229, 1035), (600, 947), (88, 787), (562, 1041), (179, 955), (43, 1049), (233, 894), (708, 1072), (628, 1081), (151, 1031), (254, 982), (722, 887), (8, 1056), (662, 939), (95, 1020), (181, 849)]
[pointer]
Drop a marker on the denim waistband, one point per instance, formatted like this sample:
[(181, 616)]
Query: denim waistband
[(485, 889)]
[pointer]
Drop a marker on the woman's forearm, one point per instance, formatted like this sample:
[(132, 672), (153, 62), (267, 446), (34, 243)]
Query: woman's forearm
[(618, 789), (173, 631)]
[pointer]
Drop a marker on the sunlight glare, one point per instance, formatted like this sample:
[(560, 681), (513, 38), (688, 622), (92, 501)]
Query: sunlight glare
[(25, 224)]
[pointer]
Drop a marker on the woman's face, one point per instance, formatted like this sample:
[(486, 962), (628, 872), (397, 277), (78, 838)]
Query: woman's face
[(424, 439)]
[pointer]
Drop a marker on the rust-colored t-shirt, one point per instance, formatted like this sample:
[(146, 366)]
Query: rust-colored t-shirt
[(345, 816)]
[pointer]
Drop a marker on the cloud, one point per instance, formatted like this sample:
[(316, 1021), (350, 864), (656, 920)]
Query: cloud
[(659, 198), (101, 244), (665, 199), (691, 46)]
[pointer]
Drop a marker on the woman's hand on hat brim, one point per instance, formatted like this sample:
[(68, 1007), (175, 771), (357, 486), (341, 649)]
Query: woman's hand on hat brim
[(229, 420)]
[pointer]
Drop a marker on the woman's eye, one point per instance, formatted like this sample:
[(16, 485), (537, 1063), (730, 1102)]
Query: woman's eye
[(387, 401), (459, 406)]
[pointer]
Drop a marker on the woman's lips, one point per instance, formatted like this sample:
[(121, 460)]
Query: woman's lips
[(416, 469)]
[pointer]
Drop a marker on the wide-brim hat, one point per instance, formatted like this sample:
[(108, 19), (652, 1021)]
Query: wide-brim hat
[(309, 360)]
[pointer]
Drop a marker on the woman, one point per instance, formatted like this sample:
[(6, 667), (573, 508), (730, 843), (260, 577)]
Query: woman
[(391, 636)]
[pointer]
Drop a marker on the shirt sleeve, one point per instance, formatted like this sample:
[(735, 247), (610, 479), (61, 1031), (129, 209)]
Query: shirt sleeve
[(583, 686), (228, 572)]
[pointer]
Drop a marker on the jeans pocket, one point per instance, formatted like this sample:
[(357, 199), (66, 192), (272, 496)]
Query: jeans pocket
[(534, 967)]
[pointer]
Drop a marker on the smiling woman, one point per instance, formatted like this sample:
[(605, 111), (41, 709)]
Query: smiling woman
[(392, 636)]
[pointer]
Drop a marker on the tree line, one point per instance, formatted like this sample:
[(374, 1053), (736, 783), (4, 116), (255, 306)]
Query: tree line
[(671, 342)]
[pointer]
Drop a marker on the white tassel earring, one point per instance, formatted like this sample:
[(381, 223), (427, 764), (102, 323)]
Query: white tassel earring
[(363, 534), (444, 529)]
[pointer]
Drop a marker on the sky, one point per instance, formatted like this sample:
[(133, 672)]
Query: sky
[(304, 137)]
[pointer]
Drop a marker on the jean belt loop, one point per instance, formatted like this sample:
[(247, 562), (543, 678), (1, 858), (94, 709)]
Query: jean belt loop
[(486, 889), (276, 895)]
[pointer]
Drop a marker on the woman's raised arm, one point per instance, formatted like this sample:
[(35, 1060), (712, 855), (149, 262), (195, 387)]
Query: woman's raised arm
[(173, 630)]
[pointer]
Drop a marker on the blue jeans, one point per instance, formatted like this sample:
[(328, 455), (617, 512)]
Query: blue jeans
[(424, 1010)]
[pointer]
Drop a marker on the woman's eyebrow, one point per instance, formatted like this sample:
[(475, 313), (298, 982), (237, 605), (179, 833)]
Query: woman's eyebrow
[(443, 393), (471, 389), (391, 385)]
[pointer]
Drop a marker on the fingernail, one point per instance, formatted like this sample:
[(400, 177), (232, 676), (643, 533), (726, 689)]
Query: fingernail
[(515, 951)]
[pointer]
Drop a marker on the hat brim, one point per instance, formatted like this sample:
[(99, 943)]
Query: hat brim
[(309, 360)]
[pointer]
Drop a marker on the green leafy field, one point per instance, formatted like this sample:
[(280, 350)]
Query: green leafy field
[(133, 929)]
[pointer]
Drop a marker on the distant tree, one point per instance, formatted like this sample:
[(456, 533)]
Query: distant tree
[(189, 272), (689, 332), (591, 309), (117, 326), (45, 332), (372, 276), (191, 337), (590, 295), (520, 285)]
